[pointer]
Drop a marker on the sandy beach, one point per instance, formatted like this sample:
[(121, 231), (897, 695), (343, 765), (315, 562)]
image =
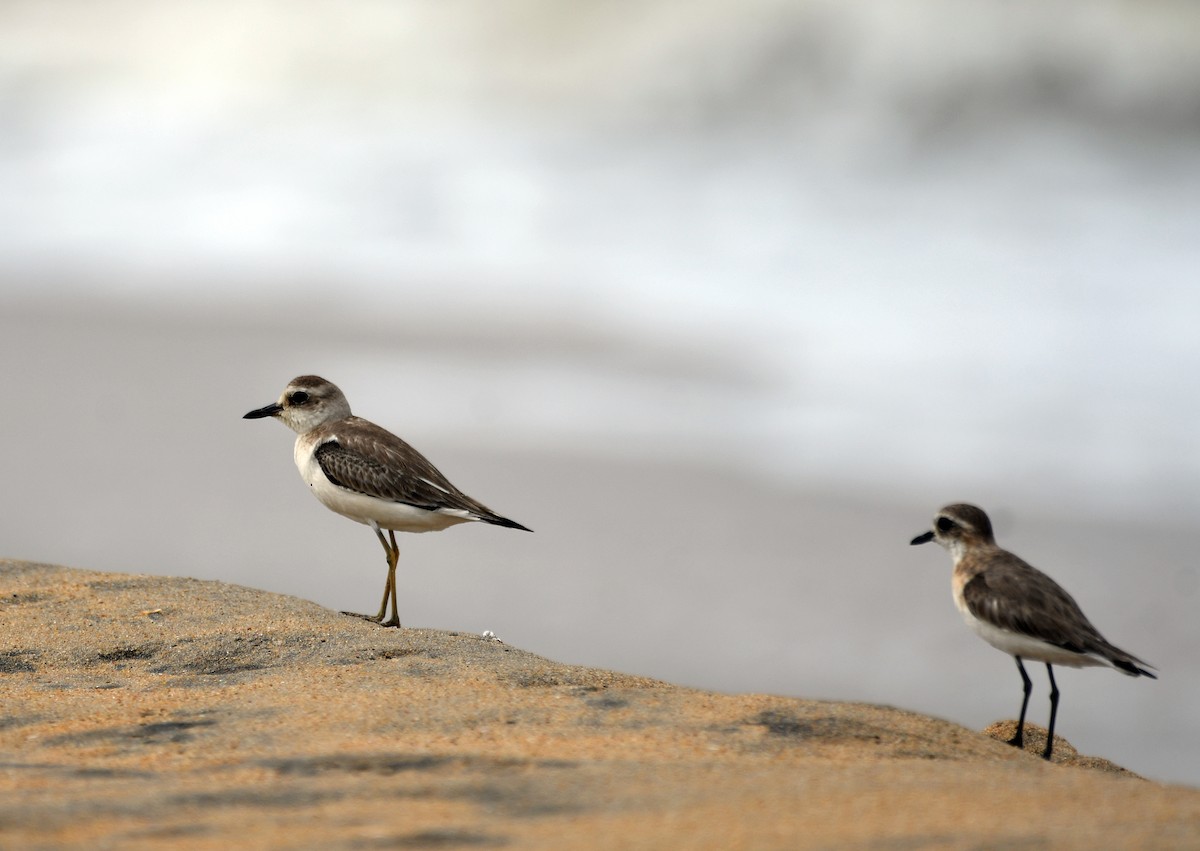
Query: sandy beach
[(143, 710)]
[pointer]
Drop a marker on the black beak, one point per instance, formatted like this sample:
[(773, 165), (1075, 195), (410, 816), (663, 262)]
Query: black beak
[(923, 538), (269, 411)]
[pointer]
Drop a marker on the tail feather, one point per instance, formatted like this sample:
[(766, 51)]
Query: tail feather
[(497, 520), (1127, 666)]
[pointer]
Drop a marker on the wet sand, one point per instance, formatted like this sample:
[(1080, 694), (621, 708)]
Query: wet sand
[(142, 711)]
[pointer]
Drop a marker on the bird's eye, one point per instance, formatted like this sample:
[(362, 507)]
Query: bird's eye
[(945, 524), (298, 398)]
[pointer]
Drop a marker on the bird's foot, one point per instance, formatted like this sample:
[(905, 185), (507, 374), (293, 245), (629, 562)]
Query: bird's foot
[(392, 621), (372, 618), (1016, 741)]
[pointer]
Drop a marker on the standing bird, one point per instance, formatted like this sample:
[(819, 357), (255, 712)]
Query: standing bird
[(366, 473), (1018, 609)]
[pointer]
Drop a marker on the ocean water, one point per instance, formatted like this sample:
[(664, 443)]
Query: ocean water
[(971, 228), (748, 289)]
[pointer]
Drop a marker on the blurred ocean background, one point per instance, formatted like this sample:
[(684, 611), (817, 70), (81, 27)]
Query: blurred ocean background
[(723, 299)]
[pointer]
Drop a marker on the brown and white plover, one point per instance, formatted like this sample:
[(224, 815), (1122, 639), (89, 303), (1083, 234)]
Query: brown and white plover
[(1018, 609), (366, 473)]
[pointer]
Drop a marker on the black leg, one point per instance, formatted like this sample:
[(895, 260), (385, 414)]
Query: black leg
[(1018, 740), (1053, 713)]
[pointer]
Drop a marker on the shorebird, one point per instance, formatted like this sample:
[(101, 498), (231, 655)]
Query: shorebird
[(1016, 608), (366, 473)]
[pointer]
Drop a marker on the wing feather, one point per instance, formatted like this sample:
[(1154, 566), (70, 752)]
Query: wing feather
[(370, 460), (1018, 597)]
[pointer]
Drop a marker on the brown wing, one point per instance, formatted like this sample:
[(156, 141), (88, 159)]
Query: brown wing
[(375, 462), (1020, 598)]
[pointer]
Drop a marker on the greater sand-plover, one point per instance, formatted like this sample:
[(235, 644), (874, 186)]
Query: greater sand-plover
[(366, 473), (1018, 609)]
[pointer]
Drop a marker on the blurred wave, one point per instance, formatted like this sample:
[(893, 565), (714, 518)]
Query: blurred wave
[(972, 225), (929, 231)]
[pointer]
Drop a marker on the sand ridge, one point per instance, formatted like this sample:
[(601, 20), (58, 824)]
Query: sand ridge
[(140, 711)]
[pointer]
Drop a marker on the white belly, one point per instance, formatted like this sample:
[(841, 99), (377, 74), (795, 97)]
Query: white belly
[(1027, 647)]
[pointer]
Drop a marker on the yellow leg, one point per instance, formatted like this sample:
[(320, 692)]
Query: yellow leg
[(387, 586), (389, 589), (393, 558)]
